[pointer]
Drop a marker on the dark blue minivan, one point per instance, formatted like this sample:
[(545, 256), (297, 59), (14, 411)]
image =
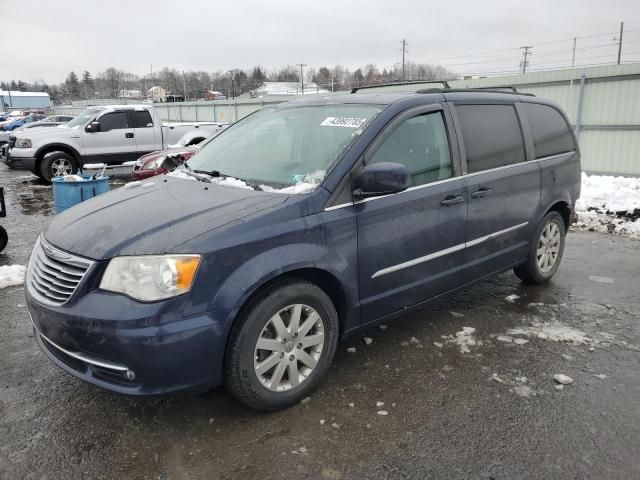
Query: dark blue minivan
[(300, 224)]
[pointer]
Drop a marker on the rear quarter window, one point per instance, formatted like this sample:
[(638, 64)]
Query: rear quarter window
[(550, 131), (492, 136)]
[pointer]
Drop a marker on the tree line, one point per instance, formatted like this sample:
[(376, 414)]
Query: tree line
[(193, 84)]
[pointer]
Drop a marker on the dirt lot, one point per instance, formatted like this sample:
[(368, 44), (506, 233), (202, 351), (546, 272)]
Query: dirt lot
[(475, 405)]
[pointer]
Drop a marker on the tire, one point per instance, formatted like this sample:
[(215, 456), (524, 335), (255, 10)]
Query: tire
[(538, 268), (4, 238), (57, 163), (261, 378)]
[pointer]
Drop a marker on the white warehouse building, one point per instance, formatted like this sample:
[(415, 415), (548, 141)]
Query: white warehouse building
[(17, 100)]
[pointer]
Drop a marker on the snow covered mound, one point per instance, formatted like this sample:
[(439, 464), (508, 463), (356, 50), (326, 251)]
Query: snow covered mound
[(11, 275), (613, 194), (609, 204)]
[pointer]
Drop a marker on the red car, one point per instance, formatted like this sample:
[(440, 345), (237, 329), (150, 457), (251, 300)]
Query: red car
[(163, 161)]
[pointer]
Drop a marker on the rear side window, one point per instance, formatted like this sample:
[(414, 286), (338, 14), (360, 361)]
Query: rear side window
[(421, 144), (551, 134), (113, 121), (143, 119), (492, 136)]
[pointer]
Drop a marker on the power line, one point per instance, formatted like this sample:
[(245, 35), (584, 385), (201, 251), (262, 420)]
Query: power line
[(514, 49)]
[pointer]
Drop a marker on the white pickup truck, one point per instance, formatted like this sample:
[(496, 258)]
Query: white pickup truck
[(110, 134)]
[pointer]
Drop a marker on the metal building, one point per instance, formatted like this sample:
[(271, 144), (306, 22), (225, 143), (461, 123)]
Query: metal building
[(12, 100)]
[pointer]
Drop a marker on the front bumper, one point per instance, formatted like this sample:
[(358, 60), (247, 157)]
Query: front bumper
[(127, 347), (26, 162)]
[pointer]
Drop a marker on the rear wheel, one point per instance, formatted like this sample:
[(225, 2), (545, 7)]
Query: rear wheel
[(57, 164), (281, 346), (546, 251)]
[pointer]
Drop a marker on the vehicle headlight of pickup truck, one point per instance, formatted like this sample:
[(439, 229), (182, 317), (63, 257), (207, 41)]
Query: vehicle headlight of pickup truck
[(150, 278), (22, 143)]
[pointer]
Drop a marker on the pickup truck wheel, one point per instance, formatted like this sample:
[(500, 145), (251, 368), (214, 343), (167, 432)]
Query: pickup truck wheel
[(56, 164), (545, 252), (281, 346)]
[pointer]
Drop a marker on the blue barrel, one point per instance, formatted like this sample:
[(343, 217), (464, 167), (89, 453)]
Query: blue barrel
[(67, 194)]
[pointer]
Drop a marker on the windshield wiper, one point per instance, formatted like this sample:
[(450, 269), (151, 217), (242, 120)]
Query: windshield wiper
[(211, 173), (200, 175), (197, 174)]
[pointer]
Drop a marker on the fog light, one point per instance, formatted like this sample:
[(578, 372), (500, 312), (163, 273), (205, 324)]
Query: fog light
[(130, 375)]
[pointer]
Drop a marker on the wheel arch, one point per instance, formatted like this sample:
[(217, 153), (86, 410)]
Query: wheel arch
[(194, 141), (56, 147), (563, 208), (322, 278)]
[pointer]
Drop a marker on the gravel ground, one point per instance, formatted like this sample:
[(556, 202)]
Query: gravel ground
[(471, 405)]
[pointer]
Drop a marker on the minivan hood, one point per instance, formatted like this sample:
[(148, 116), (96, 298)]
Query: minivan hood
[(152, 217)]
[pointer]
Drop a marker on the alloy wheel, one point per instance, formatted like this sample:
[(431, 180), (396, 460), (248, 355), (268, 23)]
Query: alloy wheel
[(61, 167), (548, 247), (289, 347)]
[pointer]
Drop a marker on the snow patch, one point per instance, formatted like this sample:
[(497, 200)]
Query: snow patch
[(463, 339), (523, 391), (512, 298), (603, 196), (563, 379), (297, 189), (11, 275), (607, 193), (554, 331), (596, 278)]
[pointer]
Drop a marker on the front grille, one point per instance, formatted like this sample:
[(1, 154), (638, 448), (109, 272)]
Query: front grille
[(54, 275), (12, 141)]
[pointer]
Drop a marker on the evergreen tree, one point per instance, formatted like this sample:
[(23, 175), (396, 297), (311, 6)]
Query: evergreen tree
[(87, 83), (73, 85)]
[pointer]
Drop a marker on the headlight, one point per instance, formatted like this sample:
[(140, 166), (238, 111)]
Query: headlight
[(23, 143), (154, 165), (150, 277)]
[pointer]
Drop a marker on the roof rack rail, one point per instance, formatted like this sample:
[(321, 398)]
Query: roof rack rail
[(395, 84), (483, 90), (511, 88)]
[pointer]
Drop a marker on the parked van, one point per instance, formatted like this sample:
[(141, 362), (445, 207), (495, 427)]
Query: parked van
[(302, 223)]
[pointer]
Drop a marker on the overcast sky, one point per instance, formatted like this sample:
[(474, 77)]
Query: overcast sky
[(44, 39)]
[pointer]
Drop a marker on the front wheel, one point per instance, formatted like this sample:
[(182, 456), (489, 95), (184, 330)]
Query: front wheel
[(546, 251), (281, 346), (57, 164)]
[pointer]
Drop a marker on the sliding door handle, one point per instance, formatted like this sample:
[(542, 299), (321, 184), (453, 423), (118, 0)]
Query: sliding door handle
[(452, 200), (482, 192), (128, 135)]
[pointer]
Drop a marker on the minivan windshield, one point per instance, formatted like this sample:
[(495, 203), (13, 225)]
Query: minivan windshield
[(283, 147), (83, 117)]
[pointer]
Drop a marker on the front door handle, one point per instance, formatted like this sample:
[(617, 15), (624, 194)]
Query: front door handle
[(482, 192), (128, 135), (452, 200)]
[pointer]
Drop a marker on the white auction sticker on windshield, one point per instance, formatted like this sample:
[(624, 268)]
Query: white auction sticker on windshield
[(343, 122)]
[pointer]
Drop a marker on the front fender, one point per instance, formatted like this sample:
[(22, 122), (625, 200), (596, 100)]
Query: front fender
[(253, 274)]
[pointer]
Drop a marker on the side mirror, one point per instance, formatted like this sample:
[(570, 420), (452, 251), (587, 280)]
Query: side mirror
[(381, 179), (92, 127)]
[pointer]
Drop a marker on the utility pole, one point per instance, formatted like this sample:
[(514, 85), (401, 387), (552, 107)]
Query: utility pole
[(620, 42), (301, 65), (526, 51), (332, 82), (573, 55), (404, 49), (184, 85)]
